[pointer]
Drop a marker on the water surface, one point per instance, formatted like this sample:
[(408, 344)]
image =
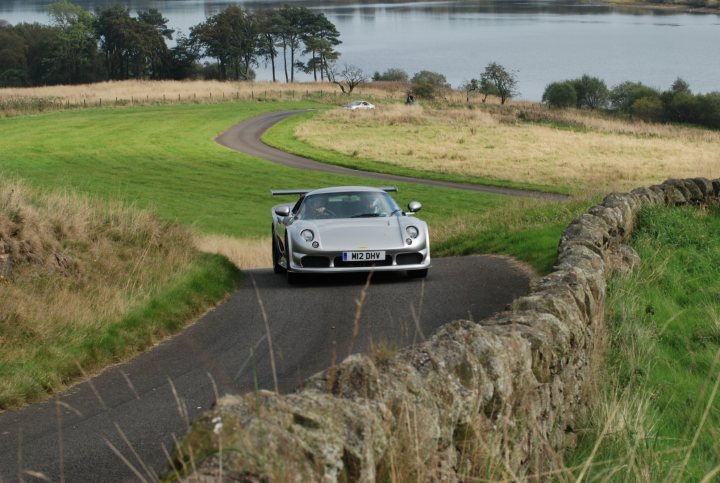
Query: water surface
[(543, 41)]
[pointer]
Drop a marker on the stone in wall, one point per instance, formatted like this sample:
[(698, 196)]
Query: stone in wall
[(500, 398)]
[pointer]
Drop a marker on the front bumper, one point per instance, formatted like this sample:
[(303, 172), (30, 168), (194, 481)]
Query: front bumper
[(331, 261)]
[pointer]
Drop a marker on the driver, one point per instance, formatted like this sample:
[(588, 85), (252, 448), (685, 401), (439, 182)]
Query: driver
[(315, 208)]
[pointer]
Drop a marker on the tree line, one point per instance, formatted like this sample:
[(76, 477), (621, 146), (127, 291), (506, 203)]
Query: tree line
[(676, 104), (80, 46)]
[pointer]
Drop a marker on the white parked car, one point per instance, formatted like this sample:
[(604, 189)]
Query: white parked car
[(359, 105)]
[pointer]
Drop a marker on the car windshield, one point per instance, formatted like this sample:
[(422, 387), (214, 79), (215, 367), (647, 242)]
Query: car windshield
[(363, 204)]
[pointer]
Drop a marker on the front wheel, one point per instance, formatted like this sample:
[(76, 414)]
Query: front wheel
[(277, 268), (418, 273), (292, 277)]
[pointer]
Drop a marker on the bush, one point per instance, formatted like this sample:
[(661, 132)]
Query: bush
[(648, 108), (428, 84), (560, 95), (709, 109), (624, 95), (592, 93), (391, 75)]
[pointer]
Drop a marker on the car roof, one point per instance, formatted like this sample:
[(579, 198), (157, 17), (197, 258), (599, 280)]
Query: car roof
[(346, 189)]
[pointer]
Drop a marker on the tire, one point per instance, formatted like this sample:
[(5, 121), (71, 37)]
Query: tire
[(292, 277), (418, 273), (277, 268)]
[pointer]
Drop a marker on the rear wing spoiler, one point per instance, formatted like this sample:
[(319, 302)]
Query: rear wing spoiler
[(302, 192)]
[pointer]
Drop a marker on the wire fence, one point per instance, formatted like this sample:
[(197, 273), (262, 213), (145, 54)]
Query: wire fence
[(21, 105)]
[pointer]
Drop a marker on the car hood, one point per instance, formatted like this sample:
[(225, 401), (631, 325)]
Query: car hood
[(360, 233)]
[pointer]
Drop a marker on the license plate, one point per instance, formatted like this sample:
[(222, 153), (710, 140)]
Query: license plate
[(373, 256)]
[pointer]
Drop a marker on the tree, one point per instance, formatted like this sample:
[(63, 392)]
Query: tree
[(428, 84), (560, 95), (133, 48), (72, 58), (184, 57), (13, 62), (293, 20), (592, 93), (320, 38), (680, 87), (154, 17), (623, 95), (473, 85), (347, 78), (502, 80), (269, 30), (393, 74), (647, 108), (230, 36)]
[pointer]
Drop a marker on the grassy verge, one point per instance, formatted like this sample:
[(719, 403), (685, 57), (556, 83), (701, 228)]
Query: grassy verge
[(85, 283), (656, 411), (283, 136)]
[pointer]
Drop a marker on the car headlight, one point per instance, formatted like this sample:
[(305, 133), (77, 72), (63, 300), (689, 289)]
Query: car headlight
[(412, 231), (307, 235)]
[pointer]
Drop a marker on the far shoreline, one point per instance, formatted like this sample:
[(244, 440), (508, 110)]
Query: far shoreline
[(661, 7)]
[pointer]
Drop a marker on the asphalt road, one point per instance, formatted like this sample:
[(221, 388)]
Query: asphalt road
[(140, 407), (245, 137)]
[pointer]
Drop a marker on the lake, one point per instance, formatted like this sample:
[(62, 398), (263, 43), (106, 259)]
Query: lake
[(543, 41)]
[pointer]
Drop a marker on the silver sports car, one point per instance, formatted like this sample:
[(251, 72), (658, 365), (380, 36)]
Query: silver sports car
[(348, 229)]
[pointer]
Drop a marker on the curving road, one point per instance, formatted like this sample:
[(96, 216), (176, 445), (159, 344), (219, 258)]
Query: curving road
[(245, 137), (117, 425), (131, 411)]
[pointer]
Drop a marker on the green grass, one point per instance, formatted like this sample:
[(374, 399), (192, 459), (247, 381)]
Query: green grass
[(164, 158), (663, 363), (282, 136), (72, 351)]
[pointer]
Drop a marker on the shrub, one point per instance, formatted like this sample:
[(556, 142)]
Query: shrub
[(560, 95), (428, 84), (592, 93), (709, 109), (648, 108), (391, 75), (623, 95)]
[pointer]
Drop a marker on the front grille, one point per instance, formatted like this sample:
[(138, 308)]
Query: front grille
[(310, 261), (409, 258), (339, 263)]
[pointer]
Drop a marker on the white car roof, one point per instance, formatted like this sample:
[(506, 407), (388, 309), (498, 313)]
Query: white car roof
[(346, 189)]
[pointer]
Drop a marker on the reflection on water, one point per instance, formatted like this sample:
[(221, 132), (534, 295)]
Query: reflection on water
[(543, 41)]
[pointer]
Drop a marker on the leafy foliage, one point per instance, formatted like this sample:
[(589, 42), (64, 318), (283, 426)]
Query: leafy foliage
[(497, 80), (111, 43), (429, 84), (560, 95), (392, 74)]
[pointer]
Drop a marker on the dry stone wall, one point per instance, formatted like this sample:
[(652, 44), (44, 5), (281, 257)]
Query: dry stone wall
[(498, 398)]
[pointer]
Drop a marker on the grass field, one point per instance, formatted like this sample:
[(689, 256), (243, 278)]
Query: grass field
[(656, 412), (525, 146), (162, 157)]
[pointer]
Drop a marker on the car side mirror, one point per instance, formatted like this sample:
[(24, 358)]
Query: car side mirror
[(282, 210), (414, 206)]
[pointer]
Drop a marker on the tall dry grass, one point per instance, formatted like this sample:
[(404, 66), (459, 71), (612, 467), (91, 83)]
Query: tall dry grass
[(570, 149), (15, 101), (69, 267), (246, 253)]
